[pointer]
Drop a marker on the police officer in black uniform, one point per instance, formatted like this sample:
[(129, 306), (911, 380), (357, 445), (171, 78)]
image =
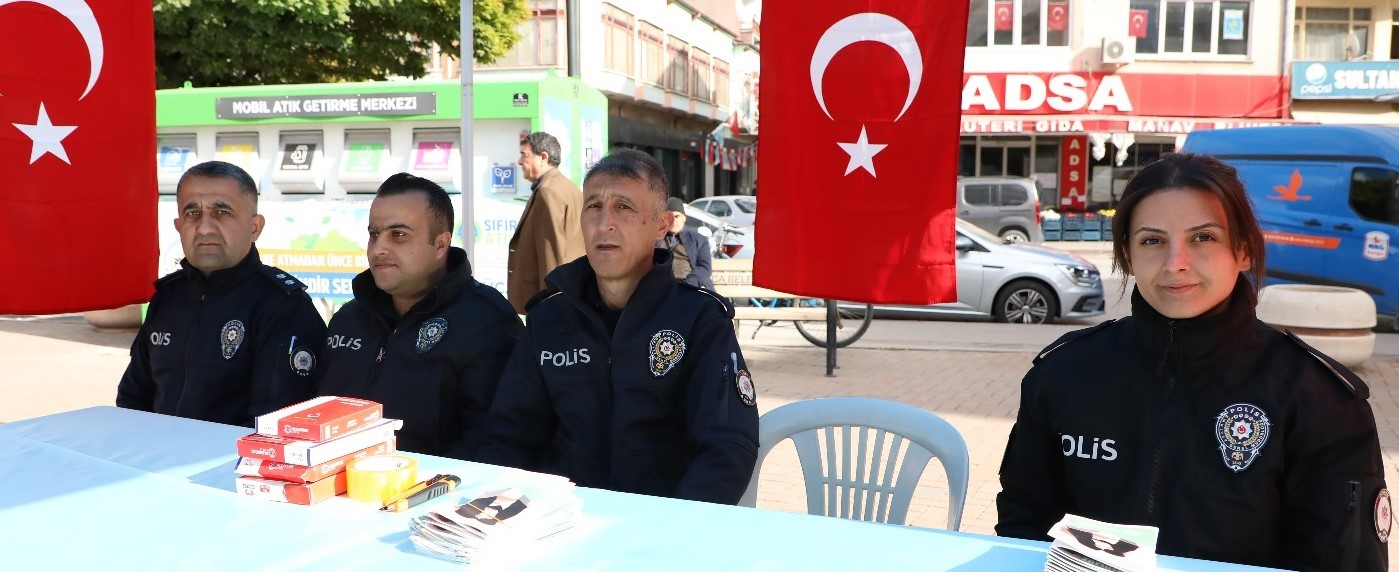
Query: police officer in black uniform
[(1241, 443), (627, 379), (226, 337), (422, 336)]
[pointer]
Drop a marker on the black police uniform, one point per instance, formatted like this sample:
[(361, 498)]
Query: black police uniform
[(1239, 442), (224, 348), (436, 367), (655, 399)]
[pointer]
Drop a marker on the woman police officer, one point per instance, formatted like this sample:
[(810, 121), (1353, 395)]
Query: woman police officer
[(1240, 442)]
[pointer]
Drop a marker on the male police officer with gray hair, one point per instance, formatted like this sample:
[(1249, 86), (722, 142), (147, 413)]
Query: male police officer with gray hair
[(625, 378), (226, 337)]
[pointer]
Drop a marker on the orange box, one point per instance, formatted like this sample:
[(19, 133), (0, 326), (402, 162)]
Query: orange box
[(320, 419), (303, 474), (312, 453), (295, 493)]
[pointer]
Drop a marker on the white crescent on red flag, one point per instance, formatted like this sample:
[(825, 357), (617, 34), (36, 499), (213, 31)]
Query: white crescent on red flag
[(860, 149), (77, 155)]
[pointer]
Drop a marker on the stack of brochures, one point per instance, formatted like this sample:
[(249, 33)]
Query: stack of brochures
[(1087, 545), (497, 520)]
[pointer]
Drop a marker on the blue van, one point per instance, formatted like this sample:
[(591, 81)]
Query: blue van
[(1327, 197)]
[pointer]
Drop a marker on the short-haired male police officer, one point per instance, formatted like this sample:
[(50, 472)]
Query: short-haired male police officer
[(422, 336), (226, 337), (625, 378)]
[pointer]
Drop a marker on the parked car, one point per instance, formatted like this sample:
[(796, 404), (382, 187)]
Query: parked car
[(1008, 207), (1010, 281), (732, 241), (738, 210)]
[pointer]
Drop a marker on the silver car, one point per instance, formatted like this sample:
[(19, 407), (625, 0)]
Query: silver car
[(1014, 282)]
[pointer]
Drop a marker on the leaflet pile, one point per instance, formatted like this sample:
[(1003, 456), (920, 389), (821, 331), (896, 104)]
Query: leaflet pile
[(300, 452)]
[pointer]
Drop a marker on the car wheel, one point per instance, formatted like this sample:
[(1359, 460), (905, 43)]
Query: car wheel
[(1015, 235), (1025, 302)]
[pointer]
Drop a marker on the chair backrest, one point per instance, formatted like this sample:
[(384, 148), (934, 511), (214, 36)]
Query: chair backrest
[(874, 452)]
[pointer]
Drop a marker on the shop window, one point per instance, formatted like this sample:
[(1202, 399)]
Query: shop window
[(619, 39), (1332, 34), (1018, 23), (1193, 27), (721, 83), (539, 37), (677, 74), (700, 86), (1374, 194)]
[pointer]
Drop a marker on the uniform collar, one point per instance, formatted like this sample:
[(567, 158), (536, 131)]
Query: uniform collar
[(220, 281), (1189, 345), (457, 278), (573, 279)]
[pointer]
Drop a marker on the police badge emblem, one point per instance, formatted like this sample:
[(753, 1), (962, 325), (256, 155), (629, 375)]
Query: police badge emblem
[(429, 334), (1242, 430), (231, 337), (667, 347), (303, 362), (1384, 515), (743, 382)]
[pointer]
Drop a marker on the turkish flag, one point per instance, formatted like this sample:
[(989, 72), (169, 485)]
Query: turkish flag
[(77, 155), (1004, 16), (1136, 23), (859, 155), (1058, 16)]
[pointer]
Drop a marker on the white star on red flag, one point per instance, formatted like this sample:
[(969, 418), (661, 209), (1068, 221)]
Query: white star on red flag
[(47, 137)]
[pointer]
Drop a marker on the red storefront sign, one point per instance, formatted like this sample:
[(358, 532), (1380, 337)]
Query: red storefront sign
[(1162, 95), (1069, 124), (1073, 173)]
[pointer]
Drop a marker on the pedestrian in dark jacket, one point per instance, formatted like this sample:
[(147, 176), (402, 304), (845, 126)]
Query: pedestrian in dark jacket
[(1240, 442), (226, 338), (691, 257), (627, 379), (422, 336)]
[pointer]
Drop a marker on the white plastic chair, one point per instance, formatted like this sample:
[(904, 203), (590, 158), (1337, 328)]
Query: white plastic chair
[(859, 479)]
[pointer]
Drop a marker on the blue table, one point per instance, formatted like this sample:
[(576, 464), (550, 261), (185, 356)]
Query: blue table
[(111, 489)]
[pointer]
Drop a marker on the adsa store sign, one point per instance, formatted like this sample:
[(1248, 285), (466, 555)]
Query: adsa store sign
[(1044, 93)]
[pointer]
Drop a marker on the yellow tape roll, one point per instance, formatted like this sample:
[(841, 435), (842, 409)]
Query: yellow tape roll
[(376, 478)]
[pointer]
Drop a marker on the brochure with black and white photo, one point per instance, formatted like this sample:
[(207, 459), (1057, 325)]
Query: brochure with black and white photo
[(496, 520), (1087, 545)]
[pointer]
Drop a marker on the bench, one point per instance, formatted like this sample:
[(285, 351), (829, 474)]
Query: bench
[(733, 279)]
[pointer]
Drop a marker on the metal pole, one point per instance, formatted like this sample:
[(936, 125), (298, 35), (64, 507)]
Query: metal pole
[(575, 46), (468, 156), (830, 338)]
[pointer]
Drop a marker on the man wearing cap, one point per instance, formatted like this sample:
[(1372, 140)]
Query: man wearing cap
[(691, 258)]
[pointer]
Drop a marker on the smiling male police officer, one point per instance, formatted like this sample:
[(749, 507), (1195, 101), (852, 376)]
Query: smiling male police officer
[(627, 379), (226, 337), (422, 336)]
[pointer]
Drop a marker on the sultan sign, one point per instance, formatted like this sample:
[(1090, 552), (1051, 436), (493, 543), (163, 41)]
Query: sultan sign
[(1344, 80)]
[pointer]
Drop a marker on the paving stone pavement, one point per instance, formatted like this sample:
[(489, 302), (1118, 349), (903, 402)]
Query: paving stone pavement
[(49, 365)]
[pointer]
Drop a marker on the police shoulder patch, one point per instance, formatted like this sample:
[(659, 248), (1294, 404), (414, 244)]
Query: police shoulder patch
[(1384, 515), (429, 334), (283, 279), (743, 383), (1242, 430), (1069, 338), (1348, 379)]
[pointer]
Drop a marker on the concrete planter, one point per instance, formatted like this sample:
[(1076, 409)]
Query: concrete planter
[(1336, 321)]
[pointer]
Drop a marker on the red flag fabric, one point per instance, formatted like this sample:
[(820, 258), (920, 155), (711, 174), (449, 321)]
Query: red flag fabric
[(1058, 16), (1136, 23), (1005, 16), (859, 155), (77, 154)]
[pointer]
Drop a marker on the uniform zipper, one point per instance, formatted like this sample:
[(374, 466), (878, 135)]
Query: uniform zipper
[(1154, 482)]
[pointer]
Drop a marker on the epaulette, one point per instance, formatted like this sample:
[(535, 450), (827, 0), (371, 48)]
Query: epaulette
[(168, 278), (1352, 382), (723, 302), (1068, 338), (540, 297), (284, 280)]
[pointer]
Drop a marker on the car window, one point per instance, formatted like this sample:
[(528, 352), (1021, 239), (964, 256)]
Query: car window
[(749, 206), (718, 208), (977, 194), (1374, 194), (968, 229), (1013, 195)]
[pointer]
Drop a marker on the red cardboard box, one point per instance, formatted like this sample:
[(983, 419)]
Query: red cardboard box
[(301, 474), (312, 453), (295, 493), (320, 419)]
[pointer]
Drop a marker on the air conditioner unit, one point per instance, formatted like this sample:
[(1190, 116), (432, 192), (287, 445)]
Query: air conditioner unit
[(1119, 50)]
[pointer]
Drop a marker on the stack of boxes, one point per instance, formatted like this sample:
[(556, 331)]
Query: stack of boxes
[(299, 453)]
